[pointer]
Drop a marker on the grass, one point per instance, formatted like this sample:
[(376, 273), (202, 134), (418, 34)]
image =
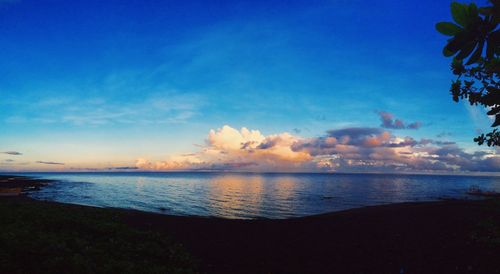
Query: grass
[(37, 237), (487, 231)]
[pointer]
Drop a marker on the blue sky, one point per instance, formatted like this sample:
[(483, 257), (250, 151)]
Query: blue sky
[(99, 84)]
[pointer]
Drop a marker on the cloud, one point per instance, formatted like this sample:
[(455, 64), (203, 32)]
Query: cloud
[(122, 168), (228, 149), (372, 149), (414, 125), (345, 140), (388, 121), (12, 153), (165, 107), (359, 149), (49, 163)]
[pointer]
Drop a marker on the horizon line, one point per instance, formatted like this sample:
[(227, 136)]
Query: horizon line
[(470, 174)]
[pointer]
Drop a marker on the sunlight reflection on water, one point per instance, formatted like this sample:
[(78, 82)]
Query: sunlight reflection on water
[(240, 195)]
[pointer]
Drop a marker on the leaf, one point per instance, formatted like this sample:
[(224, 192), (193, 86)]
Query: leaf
[(477, 54), (485, 11), (495, 18), (493, 44), (495, 37), (492, 97), (472, 10), (466, 51), (447, 53), (497, 121), (494, 111), (448, 28), (492, 89), (490, 49), (495, 11), (457, 43), (459, 12)]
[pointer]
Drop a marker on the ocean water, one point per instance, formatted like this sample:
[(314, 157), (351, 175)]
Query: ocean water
[(248, 195)]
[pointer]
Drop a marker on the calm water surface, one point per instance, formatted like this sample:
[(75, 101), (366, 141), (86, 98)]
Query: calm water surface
[(240, 195)]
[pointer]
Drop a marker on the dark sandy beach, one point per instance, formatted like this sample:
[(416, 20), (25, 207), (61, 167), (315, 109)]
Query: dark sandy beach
[(439, 237), (432, 237)]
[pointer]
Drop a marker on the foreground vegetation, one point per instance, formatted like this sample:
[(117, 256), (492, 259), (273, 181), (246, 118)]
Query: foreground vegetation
[(39, 237), (487, 230)]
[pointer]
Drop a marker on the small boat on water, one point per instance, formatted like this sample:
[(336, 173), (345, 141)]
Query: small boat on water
[(11, 191), (475, 190)]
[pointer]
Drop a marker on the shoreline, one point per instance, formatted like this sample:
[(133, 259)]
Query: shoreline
[(457, 236)]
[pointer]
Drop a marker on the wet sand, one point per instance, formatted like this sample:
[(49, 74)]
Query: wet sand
[(431, 237)]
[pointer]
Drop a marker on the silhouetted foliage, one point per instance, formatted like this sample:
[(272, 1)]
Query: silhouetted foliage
[(475, 37)]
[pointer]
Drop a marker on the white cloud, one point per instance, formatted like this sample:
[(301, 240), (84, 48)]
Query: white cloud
[(228, 149)]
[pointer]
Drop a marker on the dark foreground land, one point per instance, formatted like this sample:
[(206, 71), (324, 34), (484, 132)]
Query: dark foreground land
[(437, 237)]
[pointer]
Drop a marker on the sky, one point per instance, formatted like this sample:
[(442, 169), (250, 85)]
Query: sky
[(261, 86)]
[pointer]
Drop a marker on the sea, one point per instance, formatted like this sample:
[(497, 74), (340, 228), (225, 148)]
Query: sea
[(251, 195)]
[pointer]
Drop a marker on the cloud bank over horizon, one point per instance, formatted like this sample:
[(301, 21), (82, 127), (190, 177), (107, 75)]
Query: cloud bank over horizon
[(231, 149), (354, 149)]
